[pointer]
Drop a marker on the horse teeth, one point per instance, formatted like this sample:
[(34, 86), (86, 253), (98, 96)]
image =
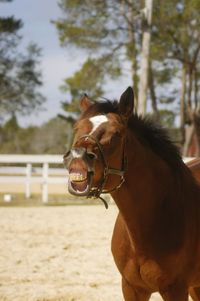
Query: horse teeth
[(76, 177)]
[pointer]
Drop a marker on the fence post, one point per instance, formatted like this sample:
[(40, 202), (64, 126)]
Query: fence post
[(28, 180), (45, 171)]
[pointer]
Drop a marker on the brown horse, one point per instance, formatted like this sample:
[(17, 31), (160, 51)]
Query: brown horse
[(156, 239)]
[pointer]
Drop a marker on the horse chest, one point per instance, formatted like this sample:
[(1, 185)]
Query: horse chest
[(143, 273), (137, 270), (151, 274)]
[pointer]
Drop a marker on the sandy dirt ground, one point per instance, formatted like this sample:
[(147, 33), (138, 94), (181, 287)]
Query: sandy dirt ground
[(35, 188), (58, 254)]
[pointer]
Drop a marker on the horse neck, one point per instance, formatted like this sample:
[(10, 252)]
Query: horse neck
[(144, 184), (148, 180)]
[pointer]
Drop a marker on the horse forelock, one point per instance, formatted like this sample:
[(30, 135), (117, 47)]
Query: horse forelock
[(101, 108)]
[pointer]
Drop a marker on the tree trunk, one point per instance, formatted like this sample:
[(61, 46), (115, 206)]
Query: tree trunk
[(190, 80), (132, 53), (153, 93), (134, 69), (182, 104), (196, 90), (143, 85), (189, 132)]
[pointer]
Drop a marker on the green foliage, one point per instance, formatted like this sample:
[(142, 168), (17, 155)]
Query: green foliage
[(85, 24), (113, 30), (167, 118), (20, 77), (89, 79), (50, 138), (6, 0), (86, 77), (175, 43), (10, 25), (177, 26), (102, 29)]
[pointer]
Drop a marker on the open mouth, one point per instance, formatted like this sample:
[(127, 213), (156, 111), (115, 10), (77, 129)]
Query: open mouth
[(79, 182)]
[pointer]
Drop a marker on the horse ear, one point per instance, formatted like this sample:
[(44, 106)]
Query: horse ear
[(126, 103), (85, 103)]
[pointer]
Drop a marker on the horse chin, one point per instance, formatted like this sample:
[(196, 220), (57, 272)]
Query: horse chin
[(79, 184)]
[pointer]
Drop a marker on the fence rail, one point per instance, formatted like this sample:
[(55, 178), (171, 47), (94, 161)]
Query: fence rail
[(53, 159), (30, 174)]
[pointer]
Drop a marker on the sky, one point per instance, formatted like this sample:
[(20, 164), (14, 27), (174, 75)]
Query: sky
[(57, 63)]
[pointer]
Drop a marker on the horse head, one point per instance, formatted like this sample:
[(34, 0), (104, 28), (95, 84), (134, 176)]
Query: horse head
[(97, 159)]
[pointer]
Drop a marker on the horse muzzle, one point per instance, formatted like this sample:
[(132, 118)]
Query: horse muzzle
[(80, 164)]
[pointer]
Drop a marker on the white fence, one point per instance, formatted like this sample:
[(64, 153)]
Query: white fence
[(23, 174), (29, 173)]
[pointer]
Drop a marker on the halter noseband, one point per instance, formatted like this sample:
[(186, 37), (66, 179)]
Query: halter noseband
[(97, 191)]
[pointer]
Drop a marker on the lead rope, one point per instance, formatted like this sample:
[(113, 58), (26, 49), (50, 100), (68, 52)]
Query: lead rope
[(98, 197), (97, 192), (104, 201)]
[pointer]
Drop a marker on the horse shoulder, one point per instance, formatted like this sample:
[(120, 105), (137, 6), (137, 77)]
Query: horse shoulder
[(139, 271), (124, 254)]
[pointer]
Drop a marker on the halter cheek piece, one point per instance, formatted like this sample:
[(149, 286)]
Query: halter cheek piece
[(98, 190)]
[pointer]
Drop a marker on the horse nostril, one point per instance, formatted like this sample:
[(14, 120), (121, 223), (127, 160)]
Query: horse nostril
[(92, 156), (66, 155)]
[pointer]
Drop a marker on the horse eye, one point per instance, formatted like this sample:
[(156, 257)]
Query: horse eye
[(117, 134), (92, 156)]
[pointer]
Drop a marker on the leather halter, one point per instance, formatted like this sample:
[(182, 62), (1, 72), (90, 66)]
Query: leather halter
[(97, 191)]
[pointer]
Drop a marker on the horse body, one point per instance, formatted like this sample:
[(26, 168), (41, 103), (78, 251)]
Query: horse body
[(156, 238), (159, 244)]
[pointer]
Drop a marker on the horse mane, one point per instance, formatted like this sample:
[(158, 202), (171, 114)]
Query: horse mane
[(156, 137)]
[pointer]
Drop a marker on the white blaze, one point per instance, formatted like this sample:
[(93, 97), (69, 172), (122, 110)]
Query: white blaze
[(97, 121)]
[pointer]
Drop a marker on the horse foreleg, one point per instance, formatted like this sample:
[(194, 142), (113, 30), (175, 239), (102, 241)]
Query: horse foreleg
[(195, 293), (134, 294), (175, 293)]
